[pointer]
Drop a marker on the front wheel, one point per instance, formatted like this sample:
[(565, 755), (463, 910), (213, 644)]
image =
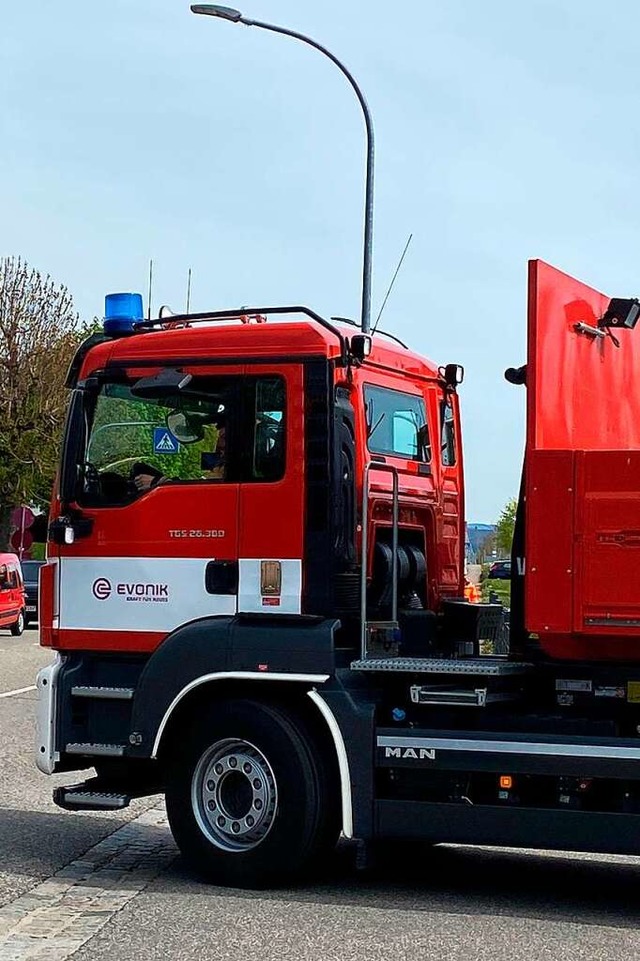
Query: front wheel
[(17, 628), (251, 801)]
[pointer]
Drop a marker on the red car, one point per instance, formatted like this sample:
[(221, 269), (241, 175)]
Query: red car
[(12, 603)]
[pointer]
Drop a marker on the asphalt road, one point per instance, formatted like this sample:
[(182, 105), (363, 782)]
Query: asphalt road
[(113, 887)]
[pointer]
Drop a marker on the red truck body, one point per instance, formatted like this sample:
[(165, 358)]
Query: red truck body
[(582, 475)]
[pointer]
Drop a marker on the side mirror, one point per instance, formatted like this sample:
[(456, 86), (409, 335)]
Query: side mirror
[(186, 428), (360, 347), (516, 375), (453, 374)]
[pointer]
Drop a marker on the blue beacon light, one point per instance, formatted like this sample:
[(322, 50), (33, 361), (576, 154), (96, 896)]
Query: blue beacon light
[(121, 313)]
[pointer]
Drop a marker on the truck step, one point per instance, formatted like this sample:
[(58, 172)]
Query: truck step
[(96, 750), (79, 798), (480, 666), (104, 693), (479, 697)]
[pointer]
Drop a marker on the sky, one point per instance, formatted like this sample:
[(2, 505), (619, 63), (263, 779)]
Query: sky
[(505, 131)]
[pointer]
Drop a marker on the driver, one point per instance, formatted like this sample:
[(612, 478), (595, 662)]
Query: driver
[(213, 466), (144, 480)]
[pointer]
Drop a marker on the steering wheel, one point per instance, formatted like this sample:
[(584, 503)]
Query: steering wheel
[(123, 486), (138, 468), (108, 484), (118, 463)]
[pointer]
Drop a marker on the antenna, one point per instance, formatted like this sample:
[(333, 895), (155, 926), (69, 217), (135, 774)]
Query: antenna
[(150, 288), (393, 280), (188, 290)]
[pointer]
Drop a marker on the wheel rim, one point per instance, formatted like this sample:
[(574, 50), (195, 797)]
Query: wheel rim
[(20, 623), (234, 795)]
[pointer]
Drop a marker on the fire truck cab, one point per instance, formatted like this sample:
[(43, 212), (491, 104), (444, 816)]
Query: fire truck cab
[(205, 543)]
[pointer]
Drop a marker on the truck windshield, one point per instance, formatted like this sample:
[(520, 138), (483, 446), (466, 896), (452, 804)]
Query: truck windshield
[(135, 443)]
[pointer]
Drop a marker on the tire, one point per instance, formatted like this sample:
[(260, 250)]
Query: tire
[(250, 799), (17, 628)]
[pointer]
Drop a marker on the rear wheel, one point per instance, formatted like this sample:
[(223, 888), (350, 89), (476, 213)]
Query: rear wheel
[(17, 628), (251, 801)]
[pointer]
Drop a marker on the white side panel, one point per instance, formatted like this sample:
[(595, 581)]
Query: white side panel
[(251, 599), (136, 593)]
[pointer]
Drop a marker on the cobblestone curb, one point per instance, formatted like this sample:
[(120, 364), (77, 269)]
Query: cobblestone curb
[(62, 913)]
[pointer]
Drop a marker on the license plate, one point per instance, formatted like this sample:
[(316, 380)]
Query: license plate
[(31, 608)]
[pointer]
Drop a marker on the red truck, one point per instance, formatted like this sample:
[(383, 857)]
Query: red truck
[(254, 589)]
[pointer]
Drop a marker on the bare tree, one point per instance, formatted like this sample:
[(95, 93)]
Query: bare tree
[(39, 332)]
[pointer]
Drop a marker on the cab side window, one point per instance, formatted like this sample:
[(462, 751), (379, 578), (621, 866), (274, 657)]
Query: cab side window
[(448, 434), (397, 423), (4, 577), (269, 440)]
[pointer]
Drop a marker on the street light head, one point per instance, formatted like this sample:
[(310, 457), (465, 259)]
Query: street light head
[(213, 10)]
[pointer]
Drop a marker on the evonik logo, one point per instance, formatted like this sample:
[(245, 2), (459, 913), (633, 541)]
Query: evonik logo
[(102, 589)]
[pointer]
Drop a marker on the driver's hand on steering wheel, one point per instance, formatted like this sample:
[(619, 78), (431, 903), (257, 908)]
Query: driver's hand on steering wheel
[(144, 482)]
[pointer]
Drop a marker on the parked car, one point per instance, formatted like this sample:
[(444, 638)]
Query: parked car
[(500, 571), (12, 598), (30, 574)]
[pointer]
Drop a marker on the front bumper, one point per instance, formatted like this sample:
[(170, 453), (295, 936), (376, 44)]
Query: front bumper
[(47, 755)]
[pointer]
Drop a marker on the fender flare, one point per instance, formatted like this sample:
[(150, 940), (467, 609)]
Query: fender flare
[(314, 695)]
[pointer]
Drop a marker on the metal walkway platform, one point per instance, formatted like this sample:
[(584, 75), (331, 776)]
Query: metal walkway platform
[(478, 666)]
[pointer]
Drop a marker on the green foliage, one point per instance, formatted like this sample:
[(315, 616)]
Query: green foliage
[(499, 587), (37, 552), (505, 526)]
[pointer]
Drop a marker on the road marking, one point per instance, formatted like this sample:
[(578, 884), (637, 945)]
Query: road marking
[(58, 916), (19, 690)]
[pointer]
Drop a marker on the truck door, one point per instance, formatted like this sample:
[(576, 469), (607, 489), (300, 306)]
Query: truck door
[(271, 538), (156, 507)]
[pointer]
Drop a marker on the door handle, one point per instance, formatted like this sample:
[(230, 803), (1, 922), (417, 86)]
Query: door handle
[(620, 538), (221, 577)]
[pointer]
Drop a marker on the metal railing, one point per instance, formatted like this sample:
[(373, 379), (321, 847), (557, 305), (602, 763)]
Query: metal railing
[(389, 469)]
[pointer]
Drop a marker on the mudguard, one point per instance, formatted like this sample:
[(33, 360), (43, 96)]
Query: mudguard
[(264, 646)]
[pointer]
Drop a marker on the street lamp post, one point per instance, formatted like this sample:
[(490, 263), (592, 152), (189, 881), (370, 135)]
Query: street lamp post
[(234, 16)]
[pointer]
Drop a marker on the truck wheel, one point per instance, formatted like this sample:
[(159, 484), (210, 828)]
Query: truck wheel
[(17, 628), (249, 798)]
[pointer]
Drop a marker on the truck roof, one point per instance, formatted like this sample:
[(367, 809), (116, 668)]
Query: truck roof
[(237, 341)]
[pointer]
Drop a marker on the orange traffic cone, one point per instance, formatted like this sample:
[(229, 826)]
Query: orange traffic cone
[(472, 593)]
